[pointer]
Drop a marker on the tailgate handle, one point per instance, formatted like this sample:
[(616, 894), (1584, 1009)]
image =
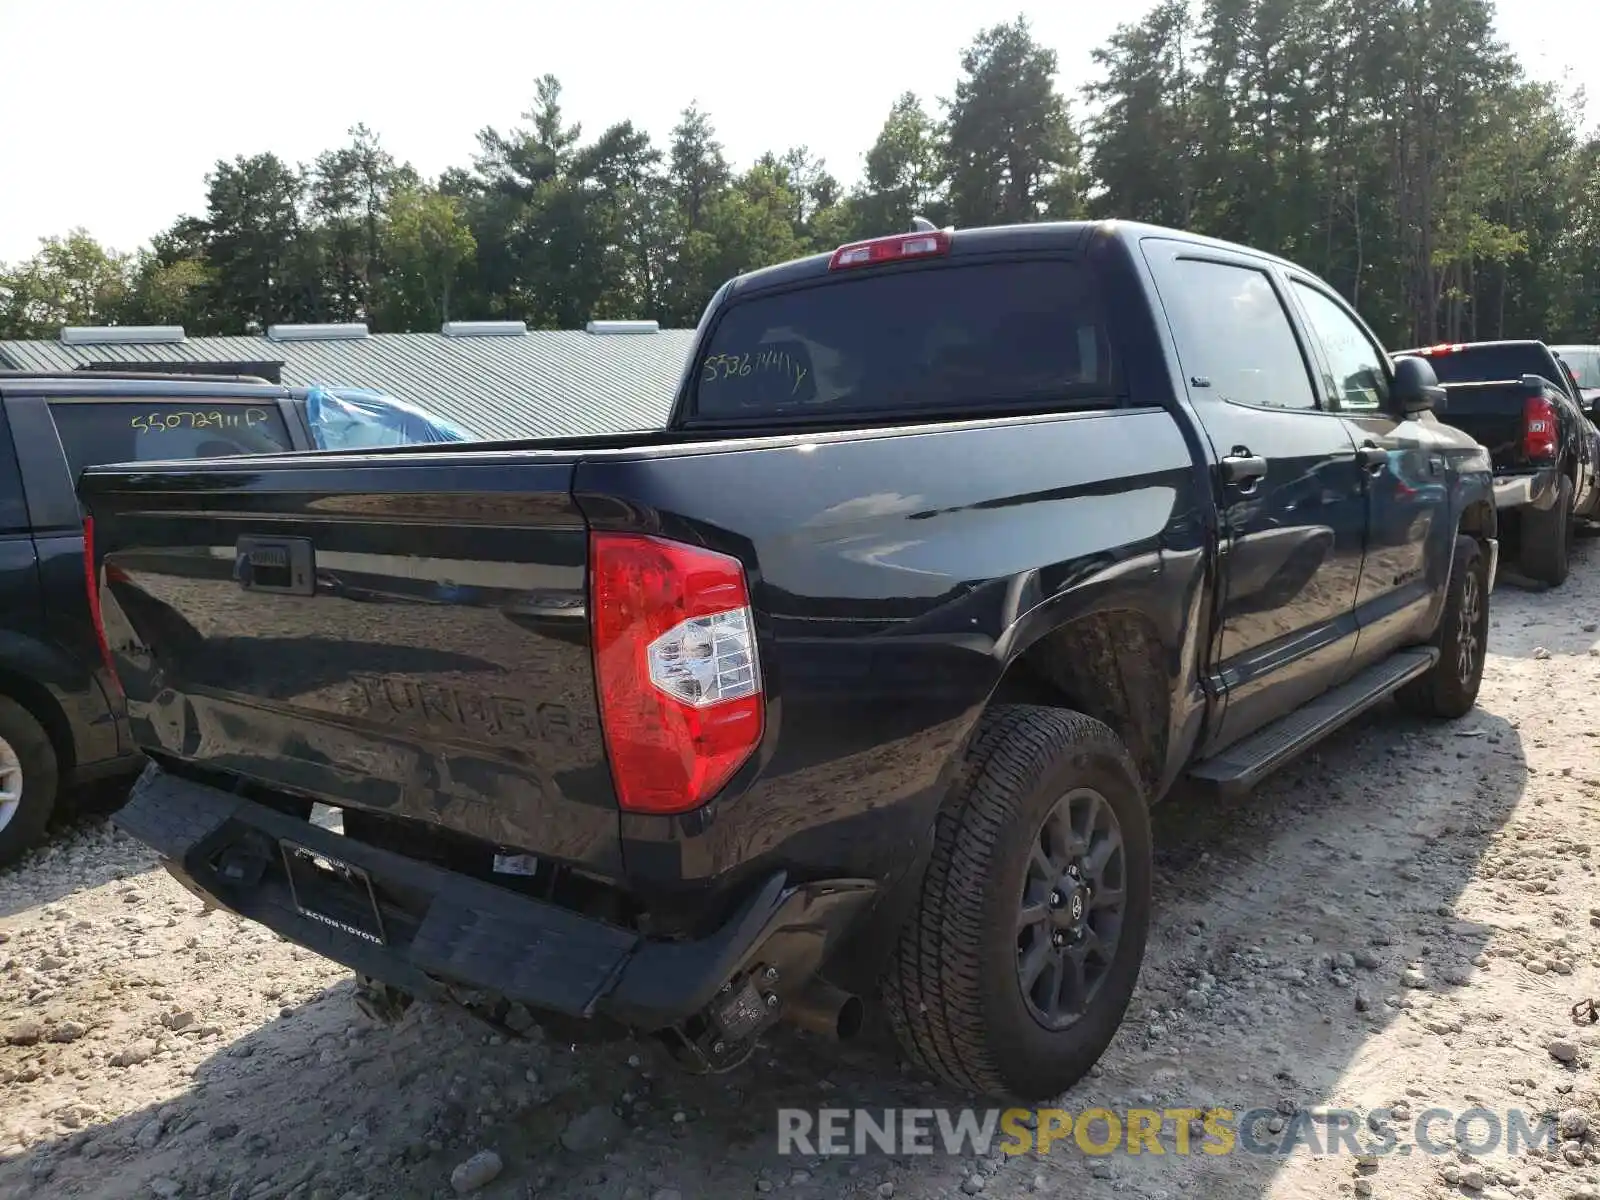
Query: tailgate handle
[(283, 565)]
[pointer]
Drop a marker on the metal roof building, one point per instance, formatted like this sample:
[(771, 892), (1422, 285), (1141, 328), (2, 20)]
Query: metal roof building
[(497, 379)]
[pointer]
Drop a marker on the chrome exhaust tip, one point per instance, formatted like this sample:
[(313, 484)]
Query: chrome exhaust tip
[(826, 1011)]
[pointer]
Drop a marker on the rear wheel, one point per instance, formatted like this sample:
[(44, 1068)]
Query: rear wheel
[(1016, 966), (28, 780), (1450, 688), (1547, 538)]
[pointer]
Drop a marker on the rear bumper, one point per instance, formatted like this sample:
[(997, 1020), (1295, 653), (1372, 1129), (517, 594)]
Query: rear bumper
[(440, 929), (1519, 491)]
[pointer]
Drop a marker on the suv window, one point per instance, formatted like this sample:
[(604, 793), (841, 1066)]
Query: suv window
[(1234, 337), (1358, 381), (950, 336), (96, 432)]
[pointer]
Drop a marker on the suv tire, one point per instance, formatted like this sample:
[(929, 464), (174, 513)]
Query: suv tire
[(996, 908), (29, 780), (1547, 538), (1450, 688)]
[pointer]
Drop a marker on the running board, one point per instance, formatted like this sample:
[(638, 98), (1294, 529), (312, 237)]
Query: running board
[(1241, 766)]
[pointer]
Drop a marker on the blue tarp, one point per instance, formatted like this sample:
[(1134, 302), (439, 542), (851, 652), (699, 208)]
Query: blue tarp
[(353, 418)]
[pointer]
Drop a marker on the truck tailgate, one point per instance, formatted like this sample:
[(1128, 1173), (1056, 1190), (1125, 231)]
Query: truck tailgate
[(405, 635), (1491, 413)]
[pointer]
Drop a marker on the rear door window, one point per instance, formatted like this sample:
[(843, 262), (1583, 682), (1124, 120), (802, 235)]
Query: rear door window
[(1233, 334), (95, 432), (959, 337)]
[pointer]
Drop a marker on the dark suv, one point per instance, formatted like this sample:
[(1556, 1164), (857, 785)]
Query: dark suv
[(61, 715)]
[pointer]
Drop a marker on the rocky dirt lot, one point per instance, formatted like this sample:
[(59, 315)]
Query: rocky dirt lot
[(1402, 919)]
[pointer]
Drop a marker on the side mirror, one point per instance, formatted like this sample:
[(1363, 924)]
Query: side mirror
[(1416, 387)]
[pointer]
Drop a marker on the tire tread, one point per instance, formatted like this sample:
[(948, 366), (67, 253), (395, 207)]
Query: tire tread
[(1439, 693), (931, 990), (1547, 538), (40, 780)]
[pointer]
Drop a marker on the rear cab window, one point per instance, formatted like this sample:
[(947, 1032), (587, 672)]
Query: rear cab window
[(1487, 364), (952, 338), (95, 432)]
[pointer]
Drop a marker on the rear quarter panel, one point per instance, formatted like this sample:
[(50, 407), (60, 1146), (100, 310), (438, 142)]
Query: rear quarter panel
[(895, 576)]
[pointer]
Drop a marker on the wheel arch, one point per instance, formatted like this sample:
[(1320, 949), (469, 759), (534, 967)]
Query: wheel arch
[(1141, 622), (1125, 648), (43, 706), (1479, 519), (1110, 664)]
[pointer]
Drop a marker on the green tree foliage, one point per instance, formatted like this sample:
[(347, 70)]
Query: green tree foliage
[(425, 245), (1392, 146), (1145, 128), (350, 194), (254, 238), (902, 177), (1009, 150), (72, 280)]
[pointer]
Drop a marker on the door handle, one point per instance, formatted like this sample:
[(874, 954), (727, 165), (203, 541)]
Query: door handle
[(1373, 458), (1243, 470)]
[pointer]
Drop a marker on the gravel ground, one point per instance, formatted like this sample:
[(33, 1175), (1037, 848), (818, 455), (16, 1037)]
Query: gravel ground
[(1401, 919)]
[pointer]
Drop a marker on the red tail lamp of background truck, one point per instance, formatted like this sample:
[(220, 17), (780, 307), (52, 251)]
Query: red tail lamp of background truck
[(1539, 428)]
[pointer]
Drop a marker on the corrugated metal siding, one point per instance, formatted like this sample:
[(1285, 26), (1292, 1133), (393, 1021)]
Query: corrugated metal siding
[(549, 383)]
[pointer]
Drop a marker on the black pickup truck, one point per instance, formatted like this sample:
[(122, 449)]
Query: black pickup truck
[(853, 685), (1518, 400)]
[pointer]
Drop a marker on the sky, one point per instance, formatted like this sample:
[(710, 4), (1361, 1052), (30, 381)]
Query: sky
[(113, 112)]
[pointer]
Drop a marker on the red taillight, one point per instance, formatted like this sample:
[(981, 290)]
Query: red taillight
[(1539, 428), (1443, 348), (92, 581), (897, 248), (677, 669)]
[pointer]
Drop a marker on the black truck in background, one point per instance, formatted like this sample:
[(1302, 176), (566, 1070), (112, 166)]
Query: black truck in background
[(61, 718), (1520, 401), (853, 685)]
